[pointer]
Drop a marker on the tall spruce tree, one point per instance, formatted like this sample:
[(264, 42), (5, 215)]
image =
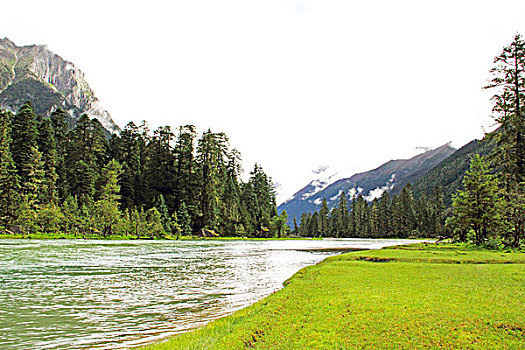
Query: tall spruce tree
[(508, 83), (9, 180), (476, 206), (24, 149), (47, 146)]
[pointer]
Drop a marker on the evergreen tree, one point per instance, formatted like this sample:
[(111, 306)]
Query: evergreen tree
[(476, 207), (47, 146), (61, 124), (154, 227), (323, 218), (343, 217), (211, 155), (159, 168), (384, 225), (508, 82), (295, 227), (279, 224), (406, 218), (82, 183), (231, 196), (106, 208), (186, 181), (259, 196), (184, 220), (24, 149), (9, 180), (164, 213)]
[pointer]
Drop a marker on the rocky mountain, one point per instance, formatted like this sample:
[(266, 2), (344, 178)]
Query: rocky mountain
[(34, 73), (391, 176)]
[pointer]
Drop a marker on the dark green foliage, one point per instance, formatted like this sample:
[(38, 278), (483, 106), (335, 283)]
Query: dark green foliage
[(477, 206), (401, 216), (449, 173), (47, 146), (9, 180), (24, 147), (32, 90), (73, 181)]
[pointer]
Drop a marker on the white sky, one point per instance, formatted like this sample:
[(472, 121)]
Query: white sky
[(294, 83)]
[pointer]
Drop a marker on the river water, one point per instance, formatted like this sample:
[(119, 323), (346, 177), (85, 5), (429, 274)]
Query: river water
[(77, 294)]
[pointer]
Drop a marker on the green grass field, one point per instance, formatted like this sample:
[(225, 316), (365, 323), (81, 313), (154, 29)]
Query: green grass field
[(423, 296)]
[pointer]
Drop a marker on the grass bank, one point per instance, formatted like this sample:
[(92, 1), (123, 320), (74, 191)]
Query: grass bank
[(412, 297)]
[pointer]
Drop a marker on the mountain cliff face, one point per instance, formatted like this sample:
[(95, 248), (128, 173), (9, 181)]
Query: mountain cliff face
[(391, 176), (34, 73)]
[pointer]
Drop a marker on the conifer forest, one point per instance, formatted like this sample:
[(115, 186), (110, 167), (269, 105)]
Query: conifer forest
[(59, 176)]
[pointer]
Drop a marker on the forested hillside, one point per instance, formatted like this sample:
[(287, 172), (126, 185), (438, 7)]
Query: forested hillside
[(449, 173), (484, 182), (60, 178), (389, 177)]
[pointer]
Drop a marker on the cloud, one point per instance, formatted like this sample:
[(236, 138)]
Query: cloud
[(300, 6)]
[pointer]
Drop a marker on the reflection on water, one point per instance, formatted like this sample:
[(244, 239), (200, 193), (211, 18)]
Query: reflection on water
[(74, 294)]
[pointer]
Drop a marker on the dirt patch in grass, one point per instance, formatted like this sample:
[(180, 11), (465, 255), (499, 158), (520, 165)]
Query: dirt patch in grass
[(375, 259)]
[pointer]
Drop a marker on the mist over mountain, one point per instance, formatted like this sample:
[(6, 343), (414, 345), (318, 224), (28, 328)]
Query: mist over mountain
[(36, 74), (391, 176)]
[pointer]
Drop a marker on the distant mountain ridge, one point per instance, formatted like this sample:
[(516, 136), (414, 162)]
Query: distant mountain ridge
[(391, 176), (34, 73)]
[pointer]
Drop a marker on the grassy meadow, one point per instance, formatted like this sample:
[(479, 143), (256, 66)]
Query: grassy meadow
[(420, 296)]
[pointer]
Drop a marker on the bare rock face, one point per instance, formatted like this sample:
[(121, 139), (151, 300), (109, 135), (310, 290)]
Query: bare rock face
[(34, 73)]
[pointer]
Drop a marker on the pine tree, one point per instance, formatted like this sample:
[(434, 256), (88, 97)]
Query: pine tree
[(323, 218), (295, 227), (61, 124), (385, 215), (47, 146), (186, 181), (343, 217), (154, 225), (211, 154), (164, 213), (159, 168), (9, 180), (184, 220), (405, 212), (259, 197), (24, 149), (476, 207), (508, 82), (279, 224), (106, 208), (231, 196)]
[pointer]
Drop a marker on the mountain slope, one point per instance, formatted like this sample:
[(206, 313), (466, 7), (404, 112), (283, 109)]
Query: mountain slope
[(391, 176), (34, 73), (449, 173)]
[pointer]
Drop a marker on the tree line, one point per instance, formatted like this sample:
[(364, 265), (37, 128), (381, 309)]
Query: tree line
[(488, 210), (388, 216), (58, 175)]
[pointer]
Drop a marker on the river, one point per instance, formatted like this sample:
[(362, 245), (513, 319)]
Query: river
[(96, 294)]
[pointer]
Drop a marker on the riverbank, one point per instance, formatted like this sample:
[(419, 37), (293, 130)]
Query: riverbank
[(134, 238), (417, 296)]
